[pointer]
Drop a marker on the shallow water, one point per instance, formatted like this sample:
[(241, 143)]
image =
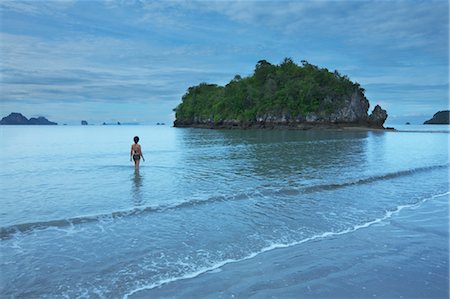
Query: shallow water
[(77, 221)]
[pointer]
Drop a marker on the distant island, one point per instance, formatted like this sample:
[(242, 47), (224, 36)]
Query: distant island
[(439, 118), (279, 96), (18, 119)]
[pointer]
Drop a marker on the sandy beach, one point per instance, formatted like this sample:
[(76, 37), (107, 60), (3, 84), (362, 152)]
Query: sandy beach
[(359, 269)]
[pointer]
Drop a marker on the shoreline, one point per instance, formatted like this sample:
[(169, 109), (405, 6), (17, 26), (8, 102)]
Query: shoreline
[(281, 127), (308, 127), (301, 270)]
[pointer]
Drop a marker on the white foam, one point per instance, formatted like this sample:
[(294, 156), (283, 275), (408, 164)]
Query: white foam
[(215, 267)]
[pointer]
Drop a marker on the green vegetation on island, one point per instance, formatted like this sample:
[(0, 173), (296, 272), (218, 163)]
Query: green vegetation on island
[(286, 93)]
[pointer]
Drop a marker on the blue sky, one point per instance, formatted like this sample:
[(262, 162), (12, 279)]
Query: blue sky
[(131, 61)]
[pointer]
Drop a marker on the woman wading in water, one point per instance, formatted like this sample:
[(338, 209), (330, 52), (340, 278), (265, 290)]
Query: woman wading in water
[(136, 153)]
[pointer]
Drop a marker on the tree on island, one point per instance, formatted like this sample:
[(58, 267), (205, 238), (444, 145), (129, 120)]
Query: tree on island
[(287, 93)]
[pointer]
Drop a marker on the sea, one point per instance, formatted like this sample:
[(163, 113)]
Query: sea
[(224, 213)]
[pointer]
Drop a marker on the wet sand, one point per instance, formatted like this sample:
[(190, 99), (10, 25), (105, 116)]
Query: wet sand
[(372, 262)]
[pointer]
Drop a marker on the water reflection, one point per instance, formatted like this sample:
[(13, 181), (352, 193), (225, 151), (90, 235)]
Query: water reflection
[(270, 158), (277, 153), (136, 188)]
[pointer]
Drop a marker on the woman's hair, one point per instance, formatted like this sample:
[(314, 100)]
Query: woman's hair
[(136, 139)]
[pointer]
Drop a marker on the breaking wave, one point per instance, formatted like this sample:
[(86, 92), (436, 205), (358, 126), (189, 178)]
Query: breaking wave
[(388, 214), (9, 231)]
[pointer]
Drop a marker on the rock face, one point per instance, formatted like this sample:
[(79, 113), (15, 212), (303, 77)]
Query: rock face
[(439, 118), (84, 123), (377, 117), (18, 119), (354, 112)]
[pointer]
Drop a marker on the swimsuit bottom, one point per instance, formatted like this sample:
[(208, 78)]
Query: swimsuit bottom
[(136, 157)]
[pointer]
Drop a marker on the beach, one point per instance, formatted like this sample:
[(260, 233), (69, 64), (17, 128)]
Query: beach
[(223, 213), (376, 261)]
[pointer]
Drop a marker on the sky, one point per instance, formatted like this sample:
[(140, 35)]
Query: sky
[(132, 61)]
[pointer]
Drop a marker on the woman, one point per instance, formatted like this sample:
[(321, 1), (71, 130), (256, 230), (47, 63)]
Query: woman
[(136, 153)]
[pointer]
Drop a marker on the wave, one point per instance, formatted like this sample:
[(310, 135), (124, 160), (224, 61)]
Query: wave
[(388, 214), (9, 231), (372, 179)]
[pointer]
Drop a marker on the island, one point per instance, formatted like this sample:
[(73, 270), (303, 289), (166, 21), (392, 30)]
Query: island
[(18, 119), (280, 96), (439, 118)]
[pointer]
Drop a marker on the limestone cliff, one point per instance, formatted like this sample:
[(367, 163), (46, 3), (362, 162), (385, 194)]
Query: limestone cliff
[(285, 95)]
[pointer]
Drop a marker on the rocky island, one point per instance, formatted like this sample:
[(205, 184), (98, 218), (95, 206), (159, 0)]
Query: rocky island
[(280, 96), (18, 119), (439, 118)]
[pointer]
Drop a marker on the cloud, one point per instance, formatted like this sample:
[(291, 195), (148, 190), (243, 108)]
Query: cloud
[(96, 52), (392, 24), (48, 8), (95, 69)]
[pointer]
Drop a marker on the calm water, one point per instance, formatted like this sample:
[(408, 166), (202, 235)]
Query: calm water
[(77, 221)]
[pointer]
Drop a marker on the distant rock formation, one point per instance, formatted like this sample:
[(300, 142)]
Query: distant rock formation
[(18, 119), (84, 123), (40, 121), (14, 119), (120, 123), (439, 118)]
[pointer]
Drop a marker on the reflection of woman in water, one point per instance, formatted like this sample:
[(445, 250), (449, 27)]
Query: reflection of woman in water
[(136, 153), (136, 191)]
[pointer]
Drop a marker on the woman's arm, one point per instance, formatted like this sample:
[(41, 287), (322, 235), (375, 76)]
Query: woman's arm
[(142, 155), (131, 153)]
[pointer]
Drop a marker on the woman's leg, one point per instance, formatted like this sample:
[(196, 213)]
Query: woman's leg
[(136, 164)]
